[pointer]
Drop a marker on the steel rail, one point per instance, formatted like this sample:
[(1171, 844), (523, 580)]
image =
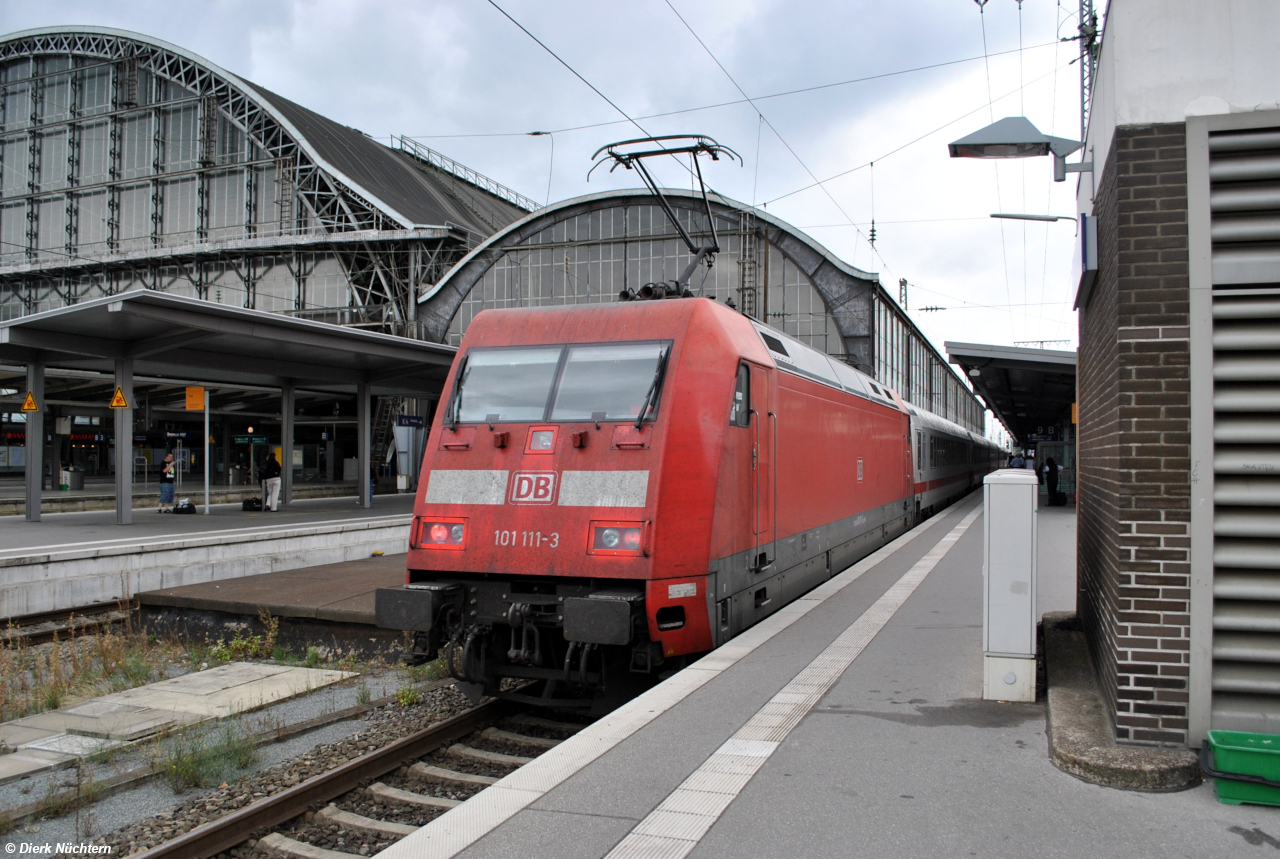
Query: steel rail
[(73, 620), (216, 836)]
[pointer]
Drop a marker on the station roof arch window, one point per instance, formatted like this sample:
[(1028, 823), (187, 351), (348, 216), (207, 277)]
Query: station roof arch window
[(130, 162), (588, 249)]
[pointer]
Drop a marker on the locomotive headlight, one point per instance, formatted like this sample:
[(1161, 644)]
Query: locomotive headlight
[(450, 534), (617, 538)]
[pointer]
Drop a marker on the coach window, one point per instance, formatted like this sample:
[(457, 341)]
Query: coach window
[(740, 413)]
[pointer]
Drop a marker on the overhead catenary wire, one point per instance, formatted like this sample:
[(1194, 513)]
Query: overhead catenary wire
[(900, 148), (735, 102), (760, 113)]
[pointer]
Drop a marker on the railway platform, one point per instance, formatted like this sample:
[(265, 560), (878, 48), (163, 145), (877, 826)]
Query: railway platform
[(339, 593), (849, 723), (72, 560)]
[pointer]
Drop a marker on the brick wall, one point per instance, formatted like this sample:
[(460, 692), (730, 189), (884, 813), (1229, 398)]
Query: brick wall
[(1134, 437)]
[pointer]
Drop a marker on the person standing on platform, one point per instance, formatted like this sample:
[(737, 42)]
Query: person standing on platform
[(270, 474), (166, 484), (1017, 461), (1051, 470)]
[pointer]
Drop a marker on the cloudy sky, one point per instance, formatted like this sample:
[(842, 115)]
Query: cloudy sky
[(466, 81)]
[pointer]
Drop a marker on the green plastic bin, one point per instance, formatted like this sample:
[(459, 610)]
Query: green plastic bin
[(1245, 767)]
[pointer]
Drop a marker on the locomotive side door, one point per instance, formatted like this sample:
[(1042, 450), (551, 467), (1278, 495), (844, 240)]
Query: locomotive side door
[(764, 482)]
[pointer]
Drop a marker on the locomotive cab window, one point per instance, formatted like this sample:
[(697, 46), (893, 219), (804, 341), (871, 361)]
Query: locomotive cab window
[(610, 382), (539, 384), (506, 384), (740, 411)]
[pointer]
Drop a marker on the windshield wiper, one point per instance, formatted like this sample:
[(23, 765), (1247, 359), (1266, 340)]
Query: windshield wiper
[(655, 388), (455, 397)]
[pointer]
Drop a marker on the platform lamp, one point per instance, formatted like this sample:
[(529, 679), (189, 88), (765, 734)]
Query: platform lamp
[(1016, 137)]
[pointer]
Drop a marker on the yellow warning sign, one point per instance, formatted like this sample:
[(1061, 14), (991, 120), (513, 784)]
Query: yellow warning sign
[(29, 404), (118, 401)]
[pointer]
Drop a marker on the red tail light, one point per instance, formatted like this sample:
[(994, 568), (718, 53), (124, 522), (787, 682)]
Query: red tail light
[(443, 534), (616, 538)]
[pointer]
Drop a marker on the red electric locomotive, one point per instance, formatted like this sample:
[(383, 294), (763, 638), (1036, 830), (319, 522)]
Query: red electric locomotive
[(611, 489)]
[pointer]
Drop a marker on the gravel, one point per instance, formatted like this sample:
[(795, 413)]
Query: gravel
[(379, 727)]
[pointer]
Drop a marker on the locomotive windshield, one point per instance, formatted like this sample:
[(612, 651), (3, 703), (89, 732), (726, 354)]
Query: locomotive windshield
[(507, 384), (607, 382)]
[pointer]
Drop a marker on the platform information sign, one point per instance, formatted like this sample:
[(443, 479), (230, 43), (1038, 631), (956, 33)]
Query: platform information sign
[(195, 398)]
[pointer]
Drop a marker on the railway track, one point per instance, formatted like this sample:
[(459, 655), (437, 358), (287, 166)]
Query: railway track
[(40, 628), (382, 795)]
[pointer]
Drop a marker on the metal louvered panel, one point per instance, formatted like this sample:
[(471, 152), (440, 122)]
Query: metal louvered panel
[(1245, 266), (1249, 367), (1246, 647), (1246, 617), (1232, 335), (1252, 167), (1246, 398), (1245, 585), (1251, 308), (1248, 429), (1246, 523), (1245, 199), (1244, 228), (1253, 678), (1248, 228), (1245, 491)]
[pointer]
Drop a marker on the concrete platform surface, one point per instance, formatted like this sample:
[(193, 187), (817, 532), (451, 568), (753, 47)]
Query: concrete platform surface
[(58, 737), (71, 560), (61, 531), (848, 724), (336, 592)]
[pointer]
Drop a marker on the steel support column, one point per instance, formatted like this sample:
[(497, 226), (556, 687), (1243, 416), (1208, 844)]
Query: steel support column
[(286, 441), (363, 439), (124, 444), (34, 451)]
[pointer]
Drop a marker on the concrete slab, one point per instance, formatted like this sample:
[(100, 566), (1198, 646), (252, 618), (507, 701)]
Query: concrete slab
[(130, 723), (13, 735), (27, 762), (227, 690), (71, 744), (121, 717)]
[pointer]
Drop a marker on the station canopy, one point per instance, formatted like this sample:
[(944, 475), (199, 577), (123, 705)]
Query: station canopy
[(190, 341), (1027, 389)]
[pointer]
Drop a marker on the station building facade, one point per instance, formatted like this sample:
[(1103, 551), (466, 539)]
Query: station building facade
[(1179, 380), (127, 162)]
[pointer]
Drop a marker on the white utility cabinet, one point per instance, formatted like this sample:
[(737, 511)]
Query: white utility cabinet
[(1010, 498)]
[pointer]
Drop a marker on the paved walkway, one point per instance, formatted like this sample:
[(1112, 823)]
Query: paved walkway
[(848, 724), (62, 530)]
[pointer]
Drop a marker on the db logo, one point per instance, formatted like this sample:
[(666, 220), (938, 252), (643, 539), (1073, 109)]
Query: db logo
[(533, 487)]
